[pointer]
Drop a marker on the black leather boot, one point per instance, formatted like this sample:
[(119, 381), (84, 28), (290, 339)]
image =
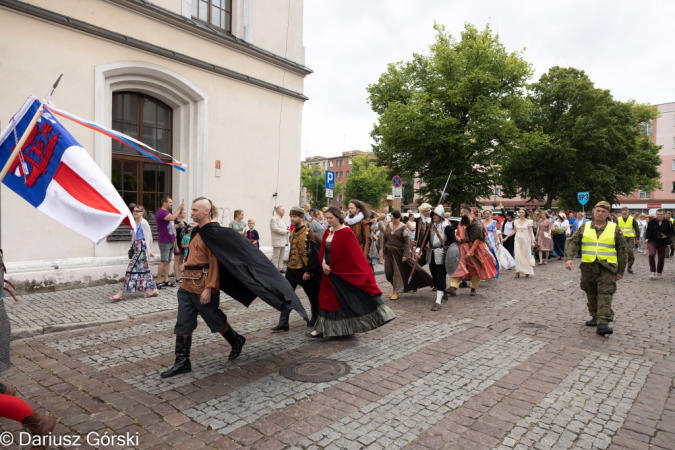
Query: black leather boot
[(283, 321), (604, 329), (7, 390), (630, 268), (237, 342), (592, 322), (182, 365)]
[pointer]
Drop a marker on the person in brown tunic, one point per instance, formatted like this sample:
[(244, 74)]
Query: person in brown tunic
[(199, 294), (359, 221), (395, 252)]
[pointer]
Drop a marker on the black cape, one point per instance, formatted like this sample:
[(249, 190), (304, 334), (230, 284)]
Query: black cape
[(245, 272)]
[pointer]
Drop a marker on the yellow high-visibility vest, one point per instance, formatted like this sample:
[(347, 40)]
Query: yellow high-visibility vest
[(603, 247), (627, 226)]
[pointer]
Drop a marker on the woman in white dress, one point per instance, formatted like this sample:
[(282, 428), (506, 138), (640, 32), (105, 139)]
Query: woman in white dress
[(524, 243)]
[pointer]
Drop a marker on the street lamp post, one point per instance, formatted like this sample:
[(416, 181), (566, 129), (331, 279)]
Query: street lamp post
[(317, 174)]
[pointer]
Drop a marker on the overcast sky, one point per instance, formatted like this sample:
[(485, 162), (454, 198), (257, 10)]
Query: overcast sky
[(624, 46)]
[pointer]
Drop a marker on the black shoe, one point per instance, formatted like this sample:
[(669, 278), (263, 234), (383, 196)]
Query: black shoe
[(473, 292), (452, 291), (463, 285), (630, 268), (592, 322), (283, 321), (236, 348), (314, 336), (604, 329), (170, 284), (160, 286), (182, 364)]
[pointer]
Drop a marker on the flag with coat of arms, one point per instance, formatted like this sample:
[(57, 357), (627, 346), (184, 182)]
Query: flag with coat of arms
[(56, 175)]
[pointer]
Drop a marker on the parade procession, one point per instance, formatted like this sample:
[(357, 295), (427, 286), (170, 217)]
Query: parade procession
[(228, 224)]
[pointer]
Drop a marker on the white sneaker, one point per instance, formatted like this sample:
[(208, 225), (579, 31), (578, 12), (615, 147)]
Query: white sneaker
[(659, 275), (652, 276)]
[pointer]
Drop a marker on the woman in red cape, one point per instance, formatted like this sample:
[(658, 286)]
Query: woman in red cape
[(349, 300)]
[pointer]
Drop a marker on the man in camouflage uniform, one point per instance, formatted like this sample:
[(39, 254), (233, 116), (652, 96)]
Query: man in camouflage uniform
[(599, 274)]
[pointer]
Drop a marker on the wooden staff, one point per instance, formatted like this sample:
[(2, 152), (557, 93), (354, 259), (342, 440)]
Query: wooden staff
[(423, 240), (25, 134)]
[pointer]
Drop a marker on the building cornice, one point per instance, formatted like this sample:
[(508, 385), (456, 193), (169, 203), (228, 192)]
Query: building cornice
[(92, 30), (212, 33)]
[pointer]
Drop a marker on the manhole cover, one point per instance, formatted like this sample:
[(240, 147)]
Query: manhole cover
[(533, 325), (315, 370)]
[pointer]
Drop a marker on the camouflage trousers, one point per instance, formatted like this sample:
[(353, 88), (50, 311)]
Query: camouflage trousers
[(599, 284), (630, 250)]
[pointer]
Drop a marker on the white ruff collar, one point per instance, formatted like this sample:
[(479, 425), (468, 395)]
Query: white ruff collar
[(358, 218)]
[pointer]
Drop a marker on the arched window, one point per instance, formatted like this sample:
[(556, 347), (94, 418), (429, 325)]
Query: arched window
[(137, 178)]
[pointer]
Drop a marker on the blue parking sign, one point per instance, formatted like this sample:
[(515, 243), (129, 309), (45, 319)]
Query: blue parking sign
[(583, 197), (330, 179)]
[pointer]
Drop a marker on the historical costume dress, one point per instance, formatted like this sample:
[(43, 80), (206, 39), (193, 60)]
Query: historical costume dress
[(440, 237), (490, 231), (350, 301), (480, 266), (395, 244), (544, 239), (523, 248)]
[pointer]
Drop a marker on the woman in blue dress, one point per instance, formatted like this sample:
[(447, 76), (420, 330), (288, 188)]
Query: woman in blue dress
[(492, 235)]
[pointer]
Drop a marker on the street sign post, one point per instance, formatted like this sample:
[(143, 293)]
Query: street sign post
[(583, 199), (397, 192), (330, 179), (397, 181)]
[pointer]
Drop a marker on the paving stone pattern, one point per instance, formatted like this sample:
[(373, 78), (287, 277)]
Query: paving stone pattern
[(466, 377), (218, 363), (401, 416), (107, 360), (233, 411), (587, 409), (144, 329)]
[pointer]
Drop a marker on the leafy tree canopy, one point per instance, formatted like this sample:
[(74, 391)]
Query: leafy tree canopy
[(579, 138), (456, 108), (368, 182)]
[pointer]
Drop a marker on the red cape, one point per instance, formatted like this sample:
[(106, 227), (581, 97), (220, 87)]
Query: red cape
[(347, 262)]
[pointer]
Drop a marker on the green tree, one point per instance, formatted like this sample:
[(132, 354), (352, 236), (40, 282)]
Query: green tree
[(579, 138), (454, 109), (368, 182), (408, 191), (317, 184)]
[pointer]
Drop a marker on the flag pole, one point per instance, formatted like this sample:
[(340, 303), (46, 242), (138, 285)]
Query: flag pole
[(26, 133), (22, 141)]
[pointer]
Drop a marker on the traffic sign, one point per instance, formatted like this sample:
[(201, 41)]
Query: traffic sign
[(583, 197), (330, 180), (397, 192), (397, 181), (329, 193)]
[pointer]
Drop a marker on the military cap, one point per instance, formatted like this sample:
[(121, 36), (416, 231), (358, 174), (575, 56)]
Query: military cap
[(605, 205), (297, 211)]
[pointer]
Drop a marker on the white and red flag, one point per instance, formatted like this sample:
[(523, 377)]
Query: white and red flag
[(57, 176)]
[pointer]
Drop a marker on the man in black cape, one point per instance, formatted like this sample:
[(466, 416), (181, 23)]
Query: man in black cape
[(222, 258)]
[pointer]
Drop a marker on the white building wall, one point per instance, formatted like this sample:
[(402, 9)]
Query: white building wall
[(254, 132)]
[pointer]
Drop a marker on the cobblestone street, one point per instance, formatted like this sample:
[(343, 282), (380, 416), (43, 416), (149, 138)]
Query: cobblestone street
[(512, 368)]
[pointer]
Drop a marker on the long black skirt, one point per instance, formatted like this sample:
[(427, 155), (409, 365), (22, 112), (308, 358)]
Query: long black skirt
[(359, 311)]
